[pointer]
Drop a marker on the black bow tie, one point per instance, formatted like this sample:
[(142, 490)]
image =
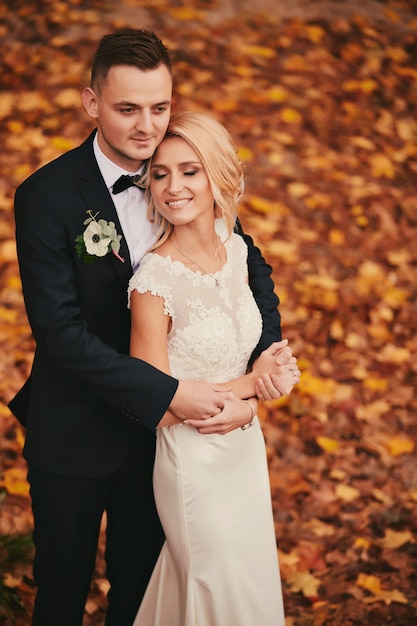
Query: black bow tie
[(126, 181)]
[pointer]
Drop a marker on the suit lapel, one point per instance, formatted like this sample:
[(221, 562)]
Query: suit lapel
[(98, 200)]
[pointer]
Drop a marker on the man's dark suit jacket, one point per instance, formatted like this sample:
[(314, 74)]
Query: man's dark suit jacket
[(86, 400)]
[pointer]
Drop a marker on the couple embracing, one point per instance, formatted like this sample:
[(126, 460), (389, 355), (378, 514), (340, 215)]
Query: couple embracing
[(157, 331)]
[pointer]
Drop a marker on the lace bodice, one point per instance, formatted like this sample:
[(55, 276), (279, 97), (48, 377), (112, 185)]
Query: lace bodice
[(216, 323)]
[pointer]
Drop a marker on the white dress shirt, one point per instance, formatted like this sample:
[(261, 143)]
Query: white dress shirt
[(130, 206)]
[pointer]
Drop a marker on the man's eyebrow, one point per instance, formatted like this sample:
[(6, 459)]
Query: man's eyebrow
[(126, 103)]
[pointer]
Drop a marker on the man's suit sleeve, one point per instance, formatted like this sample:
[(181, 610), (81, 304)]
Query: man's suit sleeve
[(262, 286), (66, 344)]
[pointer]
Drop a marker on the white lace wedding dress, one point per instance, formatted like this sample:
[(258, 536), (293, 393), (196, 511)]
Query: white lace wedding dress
[(218, 566)]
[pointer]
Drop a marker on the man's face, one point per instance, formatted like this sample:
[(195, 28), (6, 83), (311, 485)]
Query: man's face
[(132, 111)]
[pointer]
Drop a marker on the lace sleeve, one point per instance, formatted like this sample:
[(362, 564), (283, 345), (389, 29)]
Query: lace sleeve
[(151, 277)]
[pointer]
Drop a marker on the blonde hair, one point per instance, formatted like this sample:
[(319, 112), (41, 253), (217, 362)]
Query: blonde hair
[(213, 144)]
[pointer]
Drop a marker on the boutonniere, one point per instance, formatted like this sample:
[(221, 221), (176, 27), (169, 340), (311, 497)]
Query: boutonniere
[(99, 238)]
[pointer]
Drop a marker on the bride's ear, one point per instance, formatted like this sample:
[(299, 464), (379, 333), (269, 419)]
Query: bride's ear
[(90, 102)]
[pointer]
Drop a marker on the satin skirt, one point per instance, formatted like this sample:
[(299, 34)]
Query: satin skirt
[(219, 563)]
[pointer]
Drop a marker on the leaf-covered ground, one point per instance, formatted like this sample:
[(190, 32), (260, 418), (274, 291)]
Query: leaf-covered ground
[(321, 98)]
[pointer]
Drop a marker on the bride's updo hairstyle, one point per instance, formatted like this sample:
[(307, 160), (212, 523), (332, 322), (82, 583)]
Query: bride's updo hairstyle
[(214, 146)]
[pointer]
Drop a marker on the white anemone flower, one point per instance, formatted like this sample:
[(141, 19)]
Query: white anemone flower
[(96, 242)]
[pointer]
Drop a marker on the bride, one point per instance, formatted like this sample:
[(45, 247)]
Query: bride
[(194, 317)]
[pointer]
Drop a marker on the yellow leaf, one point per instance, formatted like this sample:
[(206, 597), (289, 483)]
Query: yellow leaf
[(318, 200), (68, 98), (399, 257), (245, 154), (20, 436), (369, 582), (8, 315), (278, 94), (313, 385), (321, 281), (381, 496), (31, 101), (367, 86), (290, 116), (387, 597), (315, 33), (347, 493), (288, 559), (355, 341), (406, 129), (337, 237), (363, 142), (396, 539), (7, 99), (304, 582), (327, 444), (15, 481), (15, 126), (266, 206), (184, 13), (286, 250), (372, 411), (382, 166), (336, 329), (319, 528), (62, 143), (298, 190), (395, 297), (394, 354), (243, 70), (406, 71), (297, 63), (225, 106), (376, 384), (10, 581), (14, 282), (399, 445), (260, 51), (361, 542)]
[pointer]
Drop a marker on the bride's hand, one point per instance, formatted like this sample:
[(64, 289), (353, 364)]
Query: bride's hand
[(273, 386), (270, 359)]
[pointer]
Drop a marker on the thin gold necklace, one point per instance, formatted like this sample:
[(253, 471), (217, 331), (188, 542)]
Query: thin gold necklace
[(199, 266)]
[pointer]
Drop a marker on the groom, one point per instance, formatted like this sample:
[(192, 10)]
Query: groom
[(91, 410)]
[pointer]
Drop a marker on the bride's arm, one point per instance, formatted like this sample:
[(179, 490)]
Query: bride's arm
[(194, 399), (148, 336)]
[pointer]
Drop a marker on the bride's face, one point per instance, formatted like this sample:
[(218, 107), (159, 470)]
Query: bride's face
[(179, 184)]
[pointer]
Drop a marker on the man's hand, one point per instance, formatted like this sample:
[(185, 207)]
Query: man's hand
[(235, 413), (197, 400)]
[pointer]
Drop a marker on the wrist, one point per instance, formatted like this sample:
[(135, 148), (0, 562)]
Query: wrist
[(252, 415), (250, 387)]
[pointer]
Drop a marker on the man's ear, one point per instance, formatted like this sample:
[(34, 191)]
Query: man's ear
[(90, 102)]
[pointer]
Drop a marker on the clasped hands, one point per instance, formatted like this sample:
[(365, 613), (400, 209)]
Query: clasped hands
[(215, 408)]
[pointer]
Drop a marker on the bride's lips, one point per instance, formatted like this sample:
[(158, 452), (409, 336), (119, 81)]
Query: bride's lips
[(178, 203)]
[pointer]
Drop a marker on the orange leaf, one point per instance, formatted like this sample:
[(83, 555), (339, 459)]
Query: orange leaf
[(399, 445)]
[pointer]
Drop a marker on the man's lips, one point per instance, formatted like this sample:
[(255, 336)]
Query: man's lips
[(142, 139)]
